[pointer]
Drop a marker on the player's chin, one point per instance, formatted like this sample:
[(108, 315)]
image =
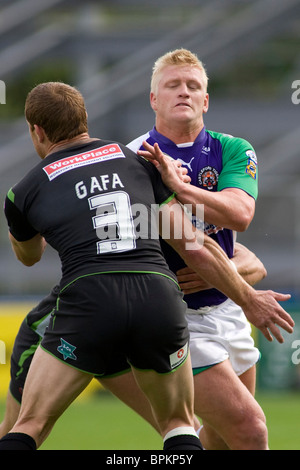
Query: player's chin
[(181, 115)]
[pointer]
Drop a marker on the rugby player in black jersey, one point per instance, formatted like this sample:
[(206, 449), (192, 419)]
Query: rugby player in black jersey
[(119, 304)]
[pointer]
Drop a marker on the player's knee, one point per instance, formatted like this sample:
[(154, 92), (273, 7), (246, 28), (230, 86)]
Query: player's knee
[(251, 435), (258, 438)]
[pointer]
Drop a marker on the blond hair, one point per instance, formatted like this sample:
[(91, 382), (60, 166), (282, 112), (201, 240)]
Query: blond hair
[(58, 108), (177, 57)]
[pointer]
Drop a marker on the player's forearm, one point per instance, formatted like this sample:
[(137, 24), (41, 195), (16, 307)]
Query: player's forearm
[(28, 252), (248, 265), (214, 266), (230, 208), (201, 253), (227, 209), (210, 262)]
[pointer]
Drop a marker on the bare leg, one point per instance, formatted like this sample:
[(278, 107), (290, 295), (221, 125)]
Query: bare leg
[(50, 388), (171, 396), (126, 389), (231, 416), (11, 414)]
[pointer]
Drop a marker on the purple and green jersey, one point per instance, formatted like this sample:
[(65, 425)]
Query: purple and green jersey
[(214, 161)]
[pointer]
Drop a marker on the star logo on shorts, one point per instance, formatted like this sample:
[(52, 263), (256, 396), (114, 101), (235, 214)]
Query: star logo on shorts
[(67, 350)]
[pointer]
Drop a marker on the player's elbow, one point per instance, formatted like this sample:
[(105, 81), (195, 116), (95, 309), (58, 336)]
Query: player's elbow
[(28, 252), (242, 215), (242, 223), (28, 260), (28, 264), (31, 262), (263, 272)]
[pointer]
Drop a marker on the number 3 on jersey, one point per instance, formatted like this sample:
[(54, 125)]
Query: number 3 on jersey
[(113, 222)]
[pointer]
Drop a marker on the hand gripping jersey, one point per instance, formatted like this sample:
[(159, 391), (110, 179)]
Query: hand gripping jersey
[(214, 162), (92, 203)]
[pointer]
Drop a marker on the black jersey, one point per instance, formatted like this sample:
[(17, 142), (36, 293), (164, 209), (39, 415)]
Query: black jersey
[(95, 204)]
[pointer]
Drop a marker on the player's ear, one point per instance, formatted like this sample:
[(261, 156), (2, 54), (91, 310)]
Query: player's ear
[(206, 103), (40, 133), (153, 101)]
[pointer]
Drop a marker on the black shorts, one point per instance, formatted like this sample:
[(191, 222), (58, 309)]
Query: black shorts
[(103, 320), (27, 340)]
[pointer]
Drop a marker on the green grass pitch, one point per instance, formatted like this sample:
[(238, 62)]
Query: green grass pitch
[(103, 422)]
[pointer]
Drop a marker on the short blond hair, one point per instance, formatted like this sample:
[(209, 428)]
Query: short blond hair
[(178, 57)]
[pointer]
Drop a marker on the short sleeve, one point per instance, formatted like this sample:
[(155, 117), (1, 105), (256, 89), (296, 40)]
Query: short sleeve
[(239, 166), (18, 225)]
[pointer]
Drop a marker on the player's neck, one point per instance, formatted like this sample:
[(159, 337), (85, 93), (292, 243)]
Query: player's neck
[(180, 133), (64, 144)]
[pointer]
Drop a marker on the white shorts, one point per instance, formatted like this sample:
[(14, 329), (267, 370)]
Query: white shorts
[(218, 333)]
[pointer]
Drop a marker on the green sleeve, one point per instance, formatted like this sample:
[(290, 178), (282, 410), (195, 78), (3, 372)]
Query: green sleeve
[(239, 165)]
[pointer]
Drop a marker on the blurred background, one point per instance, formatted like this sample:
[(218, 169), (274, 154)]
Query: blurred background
[(107, 48)]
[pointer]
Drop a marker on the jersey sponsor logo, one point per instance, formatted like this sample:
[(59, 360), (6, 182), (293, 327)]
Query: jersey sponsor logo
[(251, 164), (208, 177), (179, 356), (100, 154)]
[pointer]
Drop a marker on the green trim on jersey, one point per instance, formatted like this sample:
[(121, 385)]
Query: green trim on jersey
[(118, 272), (11, 195), (236, 160), (168, 200)]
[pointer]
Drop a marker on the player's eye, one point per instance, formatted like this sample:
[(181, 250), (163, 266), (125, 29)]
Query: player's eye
[(172, 85), (194, 86)]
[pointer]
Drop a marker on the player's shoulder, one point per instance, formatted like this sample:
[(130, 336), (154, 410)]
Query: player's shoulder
[(137, 143), (229, 141), (30, 181)]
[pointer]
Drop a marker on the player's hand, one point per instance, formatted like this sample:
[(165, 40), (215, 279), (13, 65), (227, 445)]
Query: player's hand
[(265, 313), (190, 282), (181, 171), (171, 172)]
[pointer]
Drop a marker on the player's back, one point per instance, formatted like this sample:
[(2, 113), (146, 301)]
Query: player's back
[(93, 203)]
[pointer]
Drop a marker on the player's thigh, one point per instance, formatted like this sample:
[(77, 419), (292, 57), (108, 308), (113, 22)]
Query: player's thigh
[(125, 388), (222, 400), (171, 395), (50, 387), (248, 378)]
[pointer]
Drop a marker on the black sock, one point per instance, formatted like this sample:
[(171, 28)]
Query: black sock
[(182, 442), (17, 441)]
